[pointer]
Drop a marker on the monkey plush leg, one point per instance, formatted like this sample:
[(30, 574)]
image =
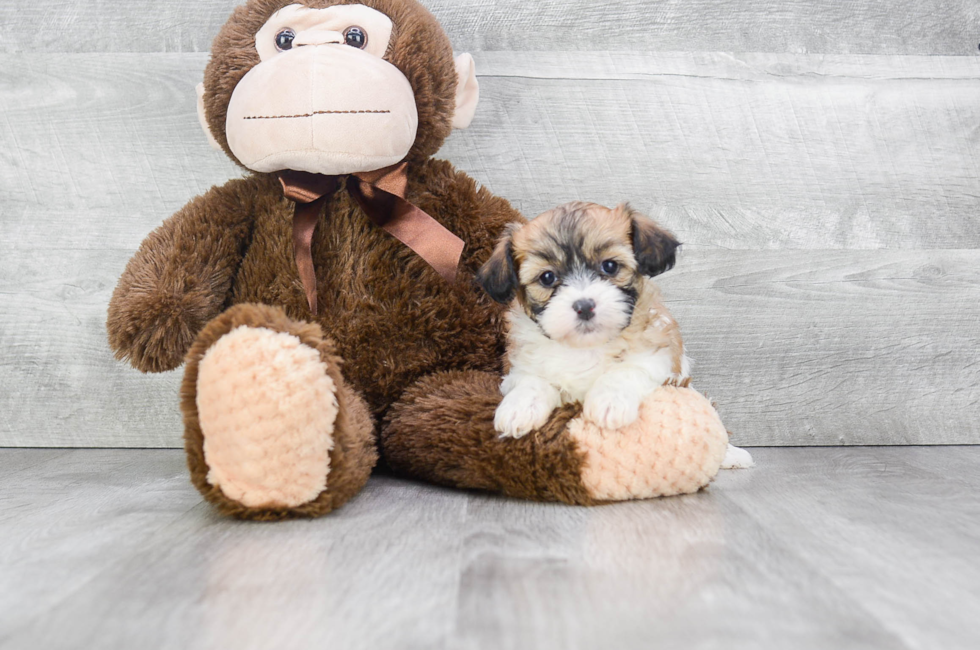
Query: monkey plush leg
[(441, 430), (271, 428)]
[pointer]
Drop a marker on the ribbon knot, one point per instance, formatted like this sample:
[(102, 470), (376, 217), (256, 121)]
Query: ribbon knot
[(381, 195)]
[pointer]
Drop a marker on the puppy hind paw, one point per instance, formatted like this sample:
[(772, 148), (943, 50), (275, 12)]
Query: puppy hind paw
[(737, 458)]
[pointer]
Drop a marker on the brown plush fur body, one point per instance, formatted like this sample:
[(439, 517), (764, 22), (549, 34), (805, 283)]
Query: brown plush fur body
[(389, 314), (386, 319), (442, 431), (352, 456), (416, 361), (380, 301)]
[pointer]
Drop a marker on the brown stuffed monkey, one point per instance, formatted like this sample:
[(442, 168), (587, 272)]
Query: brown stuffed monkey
[(325, 305)]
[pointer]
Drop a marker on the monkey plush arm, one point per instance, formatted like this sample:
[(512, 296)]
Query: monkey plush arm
[(180, 278)]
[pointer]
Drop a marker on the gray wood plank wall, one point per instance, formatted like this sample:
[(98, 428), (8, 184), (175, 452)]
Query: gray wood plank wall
[(797, 26), (819, 159)]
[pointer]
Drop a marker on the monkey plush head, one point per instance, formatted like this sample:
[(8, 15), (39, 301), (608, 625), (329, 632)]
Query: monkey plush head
[(333, 87)]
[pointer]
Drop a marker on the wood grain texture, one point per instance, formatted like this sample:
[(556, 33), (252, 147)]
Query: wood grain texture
[(813, 548), (734, 153), (387, 560), (796, 347), (752, 152), (61, 386), (759, 151), (835, 347), (99, 148), (908, 519), (72, 515), (817, 26), (685, 572), (22, 461)]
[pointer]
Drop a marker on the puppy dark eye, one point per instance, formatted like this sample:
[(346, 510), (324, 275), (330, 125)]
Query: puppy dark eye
[(609, 267), (355, 37), (548, 279), (284, 40)]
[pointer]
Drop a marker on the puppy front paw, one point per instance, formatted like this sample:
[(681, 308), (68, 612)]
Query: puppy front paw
[(520, 413), (611, 409)]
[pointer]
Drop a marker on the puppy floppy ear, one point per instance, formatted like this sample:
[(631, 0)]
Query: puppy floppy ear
[(499, 275), (654, 248)]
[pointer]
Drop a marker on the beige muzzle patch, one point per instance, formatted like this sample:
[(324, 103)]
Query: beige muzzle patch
[(324, 109)]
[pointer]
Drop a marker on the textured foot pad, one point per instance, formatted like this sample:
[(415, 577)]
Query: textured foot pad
[(267, 409), (675, 447)]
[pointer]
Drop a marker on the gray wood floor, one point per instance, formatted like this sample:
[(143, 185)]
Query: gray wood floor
[(814, 548)]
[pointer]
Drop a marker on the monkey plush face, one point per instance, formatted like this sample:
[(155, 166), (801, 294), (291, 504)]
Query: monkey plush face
[(322, 99), (334, 88)]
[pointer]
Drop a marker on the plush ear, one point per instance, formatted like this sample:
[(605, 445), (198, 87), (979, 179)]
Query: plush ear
[(202, 118), (654, 248), (467, 91), (499, 275)]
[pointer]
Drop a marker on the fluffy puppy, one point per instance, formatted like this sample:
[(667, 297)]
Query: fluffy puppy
[(586, 322)]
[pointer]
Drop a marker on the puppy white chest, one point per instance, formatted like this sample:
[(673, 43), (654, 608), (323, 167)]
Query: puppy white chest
[(577, 370), (571, 370)]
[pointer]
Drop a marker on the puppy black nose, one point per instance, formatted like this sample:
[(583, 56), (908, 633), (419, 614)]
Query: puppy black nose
[(585, 308)]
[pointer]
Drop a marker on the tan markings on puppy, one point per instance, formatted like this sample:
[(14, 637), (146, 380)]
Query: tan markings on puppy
[(573, 237), (586, 323), (653, 327)]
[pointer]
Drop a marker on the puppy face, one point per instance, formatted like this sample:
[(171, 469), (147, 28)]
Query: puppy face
[(577, 270)]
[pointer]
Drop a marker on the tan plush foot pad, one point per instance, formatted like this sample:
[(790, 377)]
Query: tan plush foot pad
[(675, 447), (267, 408), (272, 430), (441, 430)]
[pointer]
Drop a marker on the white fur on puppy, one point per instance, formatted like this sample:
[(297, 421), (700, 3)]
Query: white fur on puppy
[(737, 458), (611, 312), (587, 324), (527, 404), (614, 399)]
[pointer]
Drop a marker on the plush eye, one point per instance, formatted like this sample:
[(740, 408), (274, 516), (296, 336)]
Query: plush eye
[(284, 39), (548, 279), (609, 267), (355, 37)]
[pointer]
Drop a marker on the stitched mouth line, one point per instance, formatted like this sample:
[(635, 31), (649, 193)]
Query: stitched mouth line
[(281, 117)]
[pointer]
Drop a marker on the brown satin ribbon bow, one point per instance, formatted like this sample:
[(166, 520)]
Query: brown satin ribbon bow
[(381, 195)]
